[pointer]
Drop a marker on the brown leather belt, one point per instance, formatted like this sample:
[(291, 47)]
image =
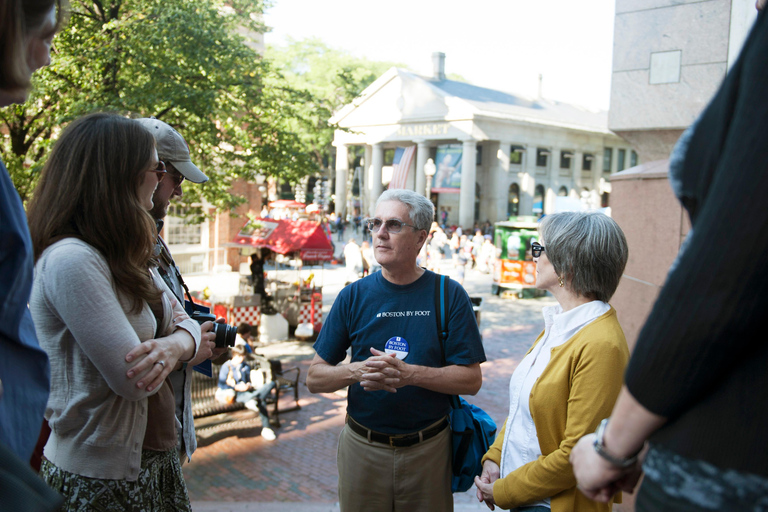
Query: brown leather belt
[(397, 440)]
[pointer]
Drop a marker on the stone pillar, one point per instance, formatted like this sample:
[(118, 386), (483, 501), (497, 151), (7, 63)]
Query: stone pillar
[(365, 178), (500, 182), (422, 155), (578, 160), (527, 180), (342, 170), (377, 159), (468, 180)]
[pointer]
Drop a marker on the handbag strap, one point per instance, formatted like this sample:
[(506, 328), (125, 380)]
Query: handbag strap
[(441, 316)]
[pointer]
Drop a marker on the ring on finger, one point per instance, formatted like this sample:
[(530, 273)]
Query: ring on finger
[(161, 363)]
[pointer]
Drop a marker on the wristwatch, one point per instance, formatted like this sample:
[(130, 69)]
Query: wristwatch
[(599, 446)]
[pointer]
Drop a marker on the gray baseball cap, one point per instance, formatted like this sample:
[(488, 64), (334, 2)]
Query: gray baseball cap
[(171, 147)]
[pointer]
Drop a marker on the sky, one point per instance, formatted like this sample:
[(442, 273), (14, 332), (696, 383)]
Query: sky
[(499, 44)]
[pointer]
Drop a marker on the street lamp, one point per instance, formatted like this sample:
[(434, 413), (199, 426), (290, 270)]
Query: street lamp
[(429, 171)]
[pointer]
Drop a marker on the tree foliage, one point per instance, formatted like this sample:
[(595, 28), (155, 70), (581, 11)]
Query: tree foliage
[(331, 78), (186, 62)]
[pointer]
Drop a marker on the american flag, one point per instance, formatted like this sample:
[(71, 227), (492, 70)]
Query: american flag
[(401, 165)]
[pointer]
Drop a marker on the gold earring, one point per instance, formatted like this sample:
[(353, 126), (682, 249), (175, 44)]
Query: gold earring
[(560, 280)]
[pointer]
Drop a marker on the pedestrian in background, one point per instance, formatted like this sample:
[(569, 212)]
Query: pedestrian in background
[(235, 378), (395, 451), (353, 259), (569, 379)]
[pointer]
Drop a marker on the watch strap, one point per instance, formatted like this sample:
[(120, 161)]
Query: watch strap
[(615, 460)]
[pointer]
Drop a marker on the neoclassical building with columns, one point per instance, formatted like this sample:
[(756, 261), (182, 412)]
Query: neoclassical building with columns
[(512, 155)]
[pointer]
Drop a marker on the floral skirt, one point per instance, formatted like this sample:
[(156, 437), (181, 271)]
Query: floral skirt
[(160, 487)]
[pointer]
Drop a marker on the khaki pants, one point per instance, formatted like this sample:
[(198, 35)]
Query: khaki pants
[(378, 478)]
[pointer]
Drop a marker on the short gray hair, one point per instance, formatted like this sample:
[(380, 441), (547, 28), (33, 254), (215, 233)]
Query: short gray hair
[(420, 209), (588, 249)]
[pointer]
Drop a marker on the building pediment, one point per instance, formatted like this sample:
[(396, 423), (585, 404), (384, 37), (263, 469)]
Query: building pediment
[(398, 97)]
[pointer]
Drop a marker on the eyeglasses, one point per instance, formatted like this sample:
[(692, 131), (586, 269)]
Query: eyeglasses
[(537, 249), (160, 170), (393, 226), (177, 177)]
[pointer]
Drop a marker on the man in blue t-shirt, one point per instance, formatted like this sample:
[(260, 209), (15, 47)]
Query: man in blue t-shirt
[(395, 451)]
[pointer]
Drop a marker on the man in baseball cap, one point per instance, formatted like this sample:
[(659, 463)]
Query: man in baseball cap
[(174, 151)]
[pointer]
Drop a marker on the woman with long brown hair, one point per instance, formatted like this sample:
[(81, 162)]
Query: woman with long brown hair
[(110, 327)]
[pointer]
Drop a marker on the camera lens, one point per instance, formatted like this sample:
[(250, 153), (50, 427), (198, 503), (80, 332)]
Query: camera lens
[(225, 335)]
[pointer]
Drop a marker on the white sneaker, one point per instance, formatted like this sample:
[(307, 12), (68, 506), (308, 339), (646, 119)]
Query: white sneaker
[(252, 405), (268, 434)]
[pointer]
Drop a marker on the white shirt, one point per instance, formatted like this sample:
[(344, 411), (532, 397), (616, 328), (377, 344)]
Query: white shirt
[(521, 444)]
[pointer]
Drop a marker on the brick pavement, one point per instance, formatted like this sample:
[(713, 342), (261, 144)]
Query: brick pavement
[(234, 464)]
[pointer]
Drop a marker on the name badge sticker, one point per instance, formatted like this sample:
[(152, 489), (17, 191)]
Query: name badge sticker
[(398, 346)]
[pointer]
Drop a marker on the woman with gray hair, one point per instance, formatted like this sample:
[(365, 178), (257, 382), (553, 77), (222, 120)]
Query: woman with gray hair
[(570, 378)]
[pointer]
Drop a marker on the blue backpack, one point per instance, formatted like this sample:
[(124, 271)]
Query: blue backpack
[(472, 429)]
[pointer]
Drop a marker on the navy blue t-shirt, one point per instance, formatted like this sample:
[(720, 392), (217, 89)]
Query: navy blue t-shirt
[(372, 311)]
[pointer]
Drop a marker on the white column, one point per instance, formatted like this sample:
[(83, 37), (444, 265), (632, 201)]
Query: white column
[(527, 180), (578, 161), (468, 179), (501, 181), (377, 158), (342, 169), (422, 154)]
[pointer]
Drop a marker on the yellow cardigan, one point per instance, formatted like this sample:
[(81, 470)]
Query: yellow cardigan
[(574, 393)]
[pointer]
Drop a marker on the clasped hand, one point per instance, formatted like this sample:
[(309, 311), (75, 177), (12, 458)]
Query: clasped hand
[(383, 372), (484, 483)]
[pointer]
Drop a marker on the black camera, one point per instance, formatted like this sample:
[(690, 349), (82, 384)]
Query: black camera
[(225, 334)]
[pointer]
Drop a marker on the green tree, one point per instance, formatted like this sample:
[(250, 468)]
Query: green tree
[(186, 62), (331, 78)]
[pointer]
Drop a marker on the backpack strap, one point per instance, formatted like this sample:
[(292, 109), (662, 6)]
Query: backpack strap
[(441, 299), (441, 317)]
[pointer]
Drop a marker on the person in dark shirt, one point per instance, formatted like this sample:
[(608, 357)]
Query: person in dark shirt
[(696, 385)]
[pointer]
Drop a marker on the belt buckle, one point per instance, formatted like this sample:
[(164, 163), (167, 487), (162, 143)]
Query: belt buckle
[(392, 442)]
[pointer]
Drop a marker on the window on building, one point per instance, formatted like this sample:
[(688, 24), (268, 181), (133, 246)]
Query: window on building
[(607, 159), (513, 203), (622, 160), (565, 159), (586, 162), (605, 200), (542, 155), (478, 196), (178, 230), (286, 191), (538, 200), (389, 156), (633, 158), (479, 156), (516, 155), (563, 192)]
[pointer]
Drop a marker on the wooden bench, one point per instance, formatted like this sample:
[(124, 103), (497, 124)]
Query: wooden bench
[(204, 401)]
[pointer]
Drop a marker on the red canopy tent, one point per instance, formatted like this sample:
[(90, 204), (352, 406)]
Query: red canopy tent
[(286, 203), (287, 236)]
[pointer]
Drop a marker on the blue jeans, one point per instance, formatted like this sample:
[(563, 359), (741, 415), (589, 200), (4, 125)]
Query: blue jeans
[(259, 395)]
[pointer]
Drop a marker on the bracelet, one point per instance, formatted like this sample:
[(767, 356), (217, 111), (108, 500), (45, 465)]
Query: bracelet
[(599, 446)]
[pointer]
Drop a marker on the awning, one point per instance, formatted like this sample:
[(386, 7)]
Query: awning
[(286, 203), (287, 236)]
